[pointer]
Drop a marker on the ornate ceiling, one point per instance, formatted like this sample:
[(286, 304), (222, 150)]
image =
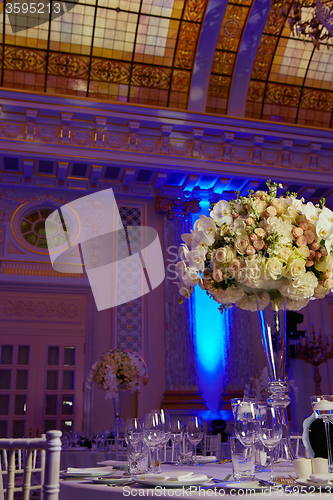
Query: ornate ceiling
[(222, 57)]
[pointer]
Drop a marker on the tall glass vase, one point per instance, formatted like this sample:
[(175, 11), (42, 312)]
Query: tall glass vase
[(117, 406), (272, 324)]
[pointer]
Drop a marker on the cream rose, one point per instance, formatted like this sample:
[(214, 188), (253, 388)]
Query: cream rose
[(260, 232), (273, 267), (279, 205), (303, 252), (295, 268), (284, 254), (224, 255), (241, 243)]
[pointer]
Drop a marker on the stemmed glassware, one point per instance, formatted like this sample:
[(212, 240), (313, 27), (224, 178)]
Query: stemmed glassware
[(246, 422), (323, 408), (166, 427), (133, 431), (177, 436), (153, 435), (269, 429), (194, 432)]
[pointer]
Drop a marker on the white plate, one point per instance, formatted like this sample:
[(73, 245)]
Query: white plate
[(304, 481), (191, 481), (246, 485), (112, 480), (99, 472), (116, 464), (206, 460)]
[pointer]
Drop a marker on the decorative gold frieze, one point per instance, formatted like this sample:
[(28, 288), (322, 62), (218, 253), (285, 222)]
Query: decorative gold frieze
[(20, 308)]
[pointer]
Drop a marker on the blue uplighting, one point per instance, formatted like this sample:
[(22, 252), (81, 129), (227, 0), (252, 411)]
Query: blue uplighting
[(210, 344)]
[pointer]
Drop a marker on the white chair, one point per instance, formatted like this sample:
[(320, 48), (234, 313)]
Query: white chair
[(305, 436), (295, 441), (38, 460), (212, 445)]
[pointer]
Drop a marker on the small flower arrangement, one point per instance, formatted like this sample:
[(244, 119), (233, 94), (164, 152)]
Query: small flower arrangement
[(260, 247), (117, 371), (256, 388)]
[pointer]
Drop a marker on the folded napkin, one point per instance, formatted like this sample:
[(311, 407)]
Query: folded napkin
[(321, 478), (88, 470), (175, 476)]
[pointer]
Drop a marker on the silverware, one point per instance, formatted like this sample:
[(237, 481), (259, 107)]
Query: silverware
[(125, 483)]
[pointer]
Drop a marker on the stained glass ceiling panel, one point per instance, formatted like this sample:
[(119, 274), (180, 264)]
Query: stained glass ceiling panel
[(124, 50), (291, 80), (225, 55)]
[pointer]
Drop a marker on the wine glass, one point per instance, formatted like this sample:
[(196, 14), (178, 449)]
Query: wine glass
[(153, 435), (323, 408), (246, 422), (269, 429), (177, 436), (133, 431), (194, 432)]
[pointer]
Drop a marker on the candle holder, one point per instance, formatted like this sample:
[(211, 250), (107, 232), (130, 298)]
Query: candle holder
[(316, 352)]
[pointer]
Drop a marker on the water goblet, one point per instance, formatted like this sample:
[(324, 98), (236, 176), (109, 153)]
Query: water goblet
[(323, 408), (153, 435), (194, 432), (246, 422), (133, 431), (177, 436), (269, 429)]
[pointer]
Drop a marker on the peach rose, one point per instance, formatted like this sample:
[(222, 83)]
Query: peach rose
[(217, 275), (250, 250), (249, 221), (253, 237), (258, 244), (310, 236), (309, 263), (297, 232), (301, 241), (315, 246), (271, 211)]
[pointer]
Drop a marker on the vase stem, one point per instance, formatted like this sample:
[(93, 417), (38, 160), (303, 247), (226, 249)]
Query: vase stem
[(117, 406)]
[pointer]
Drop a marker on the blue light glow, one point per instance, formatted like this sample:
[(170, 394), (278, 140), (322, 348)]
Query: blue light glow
[(210, 345)]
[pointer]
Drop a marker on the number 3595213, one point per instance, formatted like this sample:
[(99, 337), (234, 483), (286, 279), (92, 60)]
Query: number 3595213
[(33, 8)]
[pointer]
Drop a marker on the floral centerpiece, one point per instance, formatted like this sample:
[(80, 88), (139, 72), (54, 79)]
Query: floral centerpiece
[(117, 371), (260, 247)]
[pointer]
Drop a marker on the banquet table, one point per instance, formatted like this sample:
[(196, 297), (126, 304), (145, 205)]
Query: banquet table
[(86, 458), (86, 490)]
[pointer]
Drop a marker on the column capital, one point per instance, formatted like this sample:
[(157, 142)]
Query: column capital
[(176, 205)]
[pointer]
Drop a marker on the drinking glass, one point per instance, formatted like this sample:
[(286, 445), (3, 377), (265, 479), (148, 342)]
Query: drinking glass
[(323, 408), (133, 431), (246, 422), (270, 429), (194, 432), (243, 458), (177, 436), (153, 435)]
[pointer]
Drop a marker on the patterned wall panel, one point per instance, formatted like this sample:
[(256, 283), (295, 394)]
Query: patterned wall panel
[(130, 314)]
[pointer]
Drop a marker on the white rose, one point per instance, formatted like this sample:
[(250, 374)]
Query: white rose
[(294, 268), (320, 292), (279, 204), (224, 255), (303, 252), (273, 268), (241, 243), (284, 254)]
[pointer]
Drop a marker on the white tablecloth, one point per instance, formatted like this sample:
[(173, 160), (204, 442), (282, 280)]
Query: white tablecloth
[(85, 458), (85, 490)]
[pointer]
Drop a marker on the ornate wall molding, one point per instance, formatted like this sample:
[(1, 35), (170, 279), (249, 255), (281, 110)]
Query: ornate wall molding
[(178, 143), (29, 309), (176, 206)]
